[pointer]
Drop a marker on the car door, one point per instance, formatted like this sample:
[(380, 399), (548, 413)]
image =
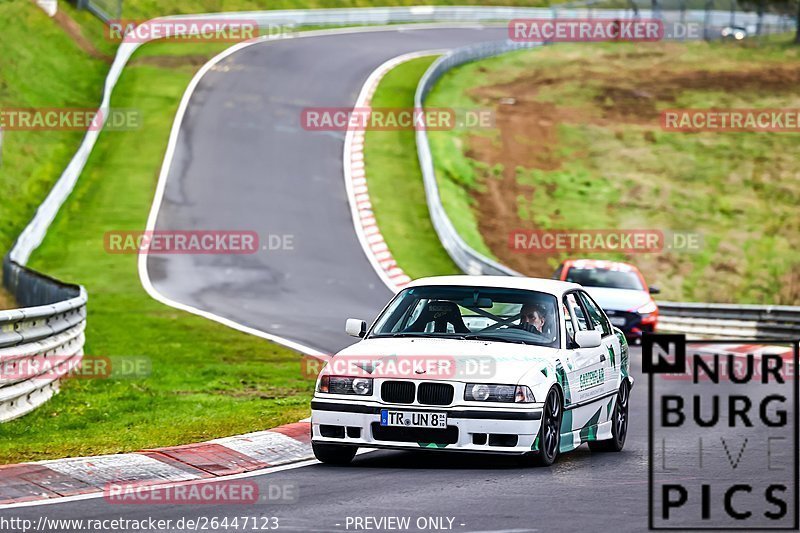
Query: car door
[(586, 366), (610, 343)]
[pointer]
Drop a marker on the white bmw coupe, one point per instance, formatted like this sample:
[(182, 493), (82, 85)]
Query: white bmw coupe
[(522, 366)]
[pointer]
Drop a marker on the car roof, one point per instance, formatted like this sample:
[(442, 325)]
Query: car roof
[(601, 263), (550, 286)]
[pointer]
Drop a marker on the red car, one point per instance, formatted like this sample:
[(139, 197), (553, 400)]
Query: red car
[(620, 289)]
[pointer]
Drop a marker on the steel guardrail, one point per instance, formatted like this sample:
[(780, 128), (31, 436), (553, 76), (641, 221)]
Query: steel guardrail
[(733, 320), (40, 342)]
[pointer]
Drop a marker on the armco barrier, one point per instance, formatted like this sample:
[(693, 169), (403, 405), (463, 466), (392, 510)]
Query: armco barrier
[(49, 328), (467, 259), (731, 320), (696, 319), (54, 322)]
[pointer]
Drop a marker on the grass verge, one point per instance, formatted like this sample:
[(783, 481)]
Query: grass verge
[(395, 182), (205, 380), (579, 145), (456, 172), (41, 68)]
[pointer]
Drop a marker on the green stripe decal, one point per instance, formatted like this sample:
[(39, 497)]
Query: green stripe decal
[(589, 431), (624, 357), (566, 431), (561, 377)]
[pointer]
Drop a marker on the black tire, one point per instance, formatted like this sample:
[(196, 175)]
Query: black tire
[(334, 454), (619, 423), (550, 430)]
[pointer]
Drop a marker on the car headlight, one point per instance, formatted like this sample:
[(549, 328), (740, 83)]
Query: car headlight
[(343, 385), (649, 307), (480, 392)]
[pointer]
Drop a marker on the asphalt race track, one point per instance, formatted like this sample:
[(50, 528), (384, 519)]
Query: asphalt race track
[(244, 162), (582, 492)]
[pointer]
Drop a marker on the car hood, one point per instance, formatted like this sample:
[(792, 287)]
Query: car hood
[(618, 299), (443, 359)]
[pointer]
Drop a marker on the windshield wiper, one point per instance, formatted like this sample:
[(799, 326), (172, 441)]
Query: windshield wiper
[(495, 338), (458, 336), (400, 334)]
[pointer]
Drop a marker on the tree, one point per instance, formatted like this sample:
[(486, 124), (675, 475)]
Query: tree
[(797, 35)]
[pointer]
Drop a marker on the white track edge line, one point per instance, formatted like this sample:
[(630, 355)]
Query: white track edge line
[(363, 97), (300, 463), (144, 276), (94, 495)]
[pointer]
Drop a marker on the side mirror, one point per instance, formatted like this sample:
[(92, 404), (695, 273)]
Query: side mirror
[(588, 339), (654, 289), (355, 327)]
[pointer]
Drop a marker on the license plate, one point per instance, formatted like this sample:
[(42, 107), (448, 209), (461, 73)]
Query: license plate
[(413, 419), (617, 320)]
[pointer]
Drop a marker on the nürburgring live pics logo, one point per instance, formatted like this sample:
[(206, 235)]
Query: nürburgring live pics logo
[(723, 433)]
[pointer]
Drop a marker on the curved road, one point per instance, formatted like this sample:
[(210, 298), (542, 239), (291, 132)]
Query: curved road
[(244, 162)]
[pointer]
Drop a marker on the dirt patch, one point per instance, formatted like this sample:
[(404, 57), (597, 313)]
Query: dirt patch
[(528, 137), (528, 129), (6, 300), (634, 100), (193, 60), (73, 29), (248, 392), (790, 285)]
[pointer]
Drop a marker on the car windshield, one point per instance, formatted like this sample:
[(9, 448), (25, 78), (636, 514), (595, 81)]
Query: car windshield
[(477, 313), (603, 277)]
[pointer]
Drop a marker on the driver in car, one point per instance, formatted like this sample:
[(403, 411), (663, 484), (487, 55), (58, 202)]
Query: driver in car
[(533, 318)]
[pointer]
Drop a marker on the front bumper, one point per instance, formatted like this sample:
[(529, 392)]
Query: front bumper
[(471, 430)]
